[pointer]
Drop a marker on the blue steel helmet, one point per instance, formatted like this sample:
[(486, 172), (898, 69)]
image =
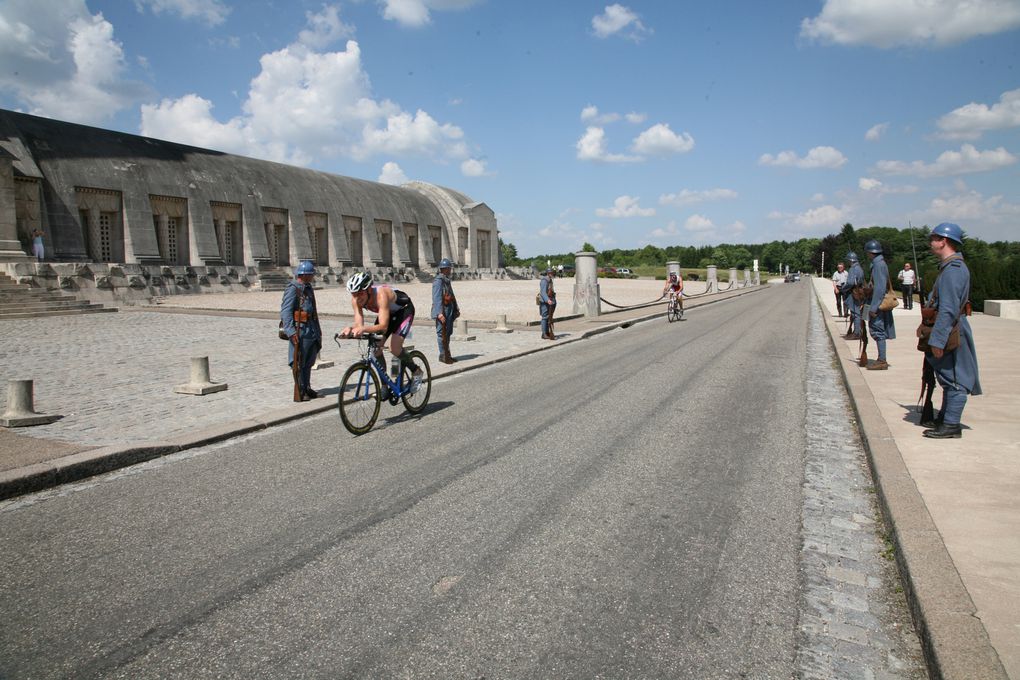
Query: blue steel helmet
[(445, 264), (851, 257), (949, 230), (306, 267), (873, 246)]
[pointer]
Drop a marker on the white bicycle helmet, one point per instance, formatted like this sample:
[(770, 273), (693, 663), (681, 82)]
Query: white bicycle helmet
[(359, 282)]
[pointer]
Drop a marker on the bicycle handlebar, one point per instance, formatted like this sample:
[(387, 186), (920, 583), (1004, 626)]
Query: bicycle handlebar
[(371, 337)]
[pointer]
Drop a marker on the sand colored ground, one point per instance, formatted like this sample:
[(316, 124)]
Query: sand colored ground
[(479, 300)]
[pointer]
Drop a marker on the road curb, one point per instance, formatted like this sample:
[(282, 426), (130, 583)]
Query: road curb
[(955, 643), (84, 464)]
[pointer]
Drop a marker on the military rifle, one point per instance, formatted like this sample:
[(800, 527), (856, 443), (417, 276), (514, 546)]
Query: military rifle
[(927, 373), (295, 367), (865, 310)]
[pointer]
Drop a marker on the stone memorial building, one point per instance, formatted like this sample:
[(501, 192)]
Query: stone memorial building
[(127, 217)]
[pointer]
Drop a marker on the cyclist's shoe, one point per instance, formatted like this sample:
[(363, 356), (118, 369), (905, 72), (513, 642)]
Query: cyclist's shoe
[(418, 375), (384, 392)]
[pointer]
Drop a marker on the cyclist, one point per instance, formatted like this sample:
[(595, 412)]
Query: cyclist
[(675, 287), (396, 314)]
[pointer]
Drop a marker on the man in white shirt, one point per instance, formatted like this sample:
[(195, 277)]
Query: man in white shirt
[(908, 278), (838, 279)]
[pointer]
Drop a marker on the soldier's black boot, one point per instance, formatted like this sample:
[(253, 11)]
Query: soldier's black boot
[(933, 423), (944, 431)]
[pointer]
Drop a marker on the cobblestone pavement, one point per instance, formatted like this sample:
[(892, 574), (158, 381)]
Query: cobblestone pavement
[(111, 376), (854, 620)]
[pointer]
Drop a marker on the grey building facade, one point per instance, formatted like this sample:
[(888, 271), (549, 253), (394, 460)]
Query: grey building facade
[(151, 217)]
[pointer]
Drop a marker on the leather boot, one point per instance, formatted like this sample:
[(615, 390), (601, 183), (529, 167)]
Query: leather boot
[(878, 365), (447, 358), (937, 422), (944, 431)]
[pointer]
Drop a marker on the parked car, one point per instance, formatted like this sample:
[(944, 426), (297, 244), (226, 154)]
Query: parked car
[(623, 271)]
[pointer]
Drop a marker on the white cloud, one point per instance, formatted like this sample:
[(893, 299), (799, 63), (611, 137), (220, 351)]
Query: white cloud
[(875, 186), (992, 217), (392, 174), (689, 197), (818, 157), (967, 160), (64, 62), (972, 120), (659, 140), (213, 12), (472, 167), (635, 117), (817, 198), (304, 105), (822, 216), (698, 223), (592, 147), (885, 24), (324, 29), (670, 230), (590, 114), (876, 131), (618, 19), (625, 206), (417, 13)]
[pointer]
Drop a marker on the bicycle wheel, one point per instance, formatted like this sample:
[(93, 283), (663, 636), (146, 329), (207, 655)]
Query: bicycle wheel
[(671, 314), (415, 403), (359, 398)]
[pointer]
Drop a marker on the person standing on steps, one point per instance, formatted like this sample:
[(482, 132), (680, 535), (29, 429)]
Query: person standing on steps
[(445, 309)]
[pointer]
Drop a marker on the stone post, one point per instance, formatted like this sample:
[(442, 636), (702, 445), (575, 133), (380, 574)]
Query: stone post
[(672, 267), (200, 383), (757, 278), (733, 276), (586, 285), (747, 278), (20, 407), (712, 280)]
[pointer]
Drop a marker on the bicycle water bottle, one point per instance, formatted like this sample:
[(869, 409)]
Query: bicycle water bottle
[(394, 368)]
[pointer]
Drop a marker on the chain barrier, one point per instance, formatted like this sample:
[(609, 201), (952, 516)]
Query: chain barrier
[(640, 304)]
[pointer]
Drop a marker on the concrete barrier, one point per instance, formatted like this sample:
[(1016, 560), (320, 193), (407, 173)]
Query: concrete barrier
[(21, 407), (200, 383), (1004, 309)]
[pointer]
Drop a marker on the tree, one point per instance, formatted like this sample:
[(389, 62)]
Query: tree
[(508, 254), (588, 248)]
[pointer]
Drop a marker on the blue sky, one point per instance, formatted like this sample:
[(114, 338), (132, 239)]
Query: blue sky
[(621, 125)]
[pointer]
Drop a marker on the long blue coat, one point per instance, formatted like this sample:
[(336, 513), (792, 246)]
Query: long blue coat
[(882, 326), (951, 291)]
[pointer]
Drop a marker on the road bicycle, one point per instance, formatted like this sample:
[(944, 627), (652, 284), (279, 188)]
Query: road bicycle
[(366, 383), (675, 309)]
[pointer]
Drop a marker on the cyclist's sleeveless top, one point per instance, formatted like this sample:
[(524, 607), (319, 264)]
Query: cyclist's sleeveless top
[(401, 300)]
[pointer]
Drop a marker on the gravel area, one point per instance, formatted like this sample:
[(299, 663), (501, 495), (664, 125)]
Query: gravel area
[(479, 300)]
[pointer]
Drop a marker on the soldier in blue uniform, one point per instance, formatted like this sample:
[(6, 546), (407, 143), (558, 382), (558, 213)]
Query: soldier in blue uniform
[(298, 309), (880, 324), (854, 278), (547, 304), (956, 370), (444, 309)]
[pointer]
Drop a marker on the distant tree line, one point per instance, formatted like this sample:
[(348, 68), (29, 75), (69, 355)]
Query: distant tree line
[(995, 267)]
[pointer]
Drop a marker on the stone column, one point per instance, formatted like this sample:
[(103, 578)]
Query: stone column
[(672, 267), (10, 246), (733, 276), (586, 285), (747, 277), (712, 280)]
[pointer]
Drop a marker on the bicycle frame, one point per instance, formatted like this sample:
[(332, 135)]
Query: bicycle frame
[(368, 356)]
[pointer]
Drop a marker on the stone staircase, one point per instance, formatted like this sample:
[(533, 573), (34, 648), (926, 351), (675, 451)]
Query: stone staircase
[(21, 301), (272, 279)]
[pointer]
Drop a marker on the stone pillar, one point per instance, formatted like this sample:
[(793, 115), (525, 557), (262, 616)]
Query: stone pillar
[(586, 285), (10, 246), (672, 267), (712, 280), (757, 278), (747, 277), (733, 276)]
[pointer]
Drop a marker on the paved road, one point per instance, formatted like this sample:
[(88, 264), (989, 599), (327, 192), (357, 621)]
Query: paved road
[(629, 506)]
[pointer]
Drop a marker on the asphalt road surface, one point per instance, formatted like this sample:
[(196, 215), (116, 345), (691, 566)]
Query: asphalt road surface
[(624, 507)]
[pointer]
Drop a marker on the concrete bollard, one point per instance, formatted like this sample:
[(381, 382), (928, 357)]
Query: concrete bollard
[(21, 408), (712, 279), (587, 293), (460, 331), (200, 383), (501, 326), (321, 363)]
